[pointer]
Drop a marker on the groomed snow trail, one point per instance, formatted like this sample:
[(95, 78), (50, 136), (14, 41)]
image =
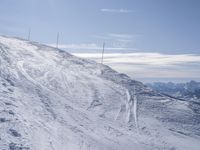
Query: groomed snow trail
[(131, 107), (135, 108)]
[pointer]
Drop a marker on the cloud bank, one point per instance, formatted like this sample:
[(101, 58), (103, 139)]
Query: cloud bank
[(151, 65)]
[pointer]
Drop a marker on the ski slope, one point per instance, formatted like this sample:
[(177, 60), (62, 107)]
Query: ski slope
[(52, 100)]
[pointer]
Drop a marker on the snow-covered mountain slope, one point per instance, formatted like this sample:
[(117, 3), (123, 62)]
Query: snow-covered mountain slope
[(51, 100)]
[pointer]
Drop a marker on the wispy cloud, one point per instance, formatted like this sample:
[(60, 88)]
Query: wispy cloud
[(116, 10), (119, 39), (117, 36), (76, 46), (144, 65), (121, 36), (113, 42), (87, 46)]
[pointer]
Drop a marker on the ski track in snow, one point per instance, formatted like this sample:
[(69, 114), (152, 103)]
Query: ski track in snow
[(20, 67), (131, 107), (135, 108)]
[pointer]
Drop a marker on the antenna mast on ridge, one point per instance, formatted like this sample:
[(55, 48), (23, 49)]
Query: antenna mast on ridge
[(103, 53), (57, 40), (29, 34)]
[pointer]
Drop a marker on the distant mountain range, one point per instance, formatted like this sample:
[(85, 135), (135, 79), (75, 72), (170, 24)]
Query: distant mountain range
[(187, 91)]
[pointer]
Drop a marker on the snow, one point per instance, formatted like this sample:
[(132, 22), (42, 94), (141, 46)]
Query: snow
[(52, 100), (135, 109)]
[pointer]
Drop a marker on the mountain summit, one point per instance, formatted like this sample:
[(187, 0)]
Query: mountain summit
[(52, 100)]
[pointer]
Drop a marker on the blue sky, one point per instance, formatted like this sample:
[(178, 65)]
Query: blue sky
[(127, 26)]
